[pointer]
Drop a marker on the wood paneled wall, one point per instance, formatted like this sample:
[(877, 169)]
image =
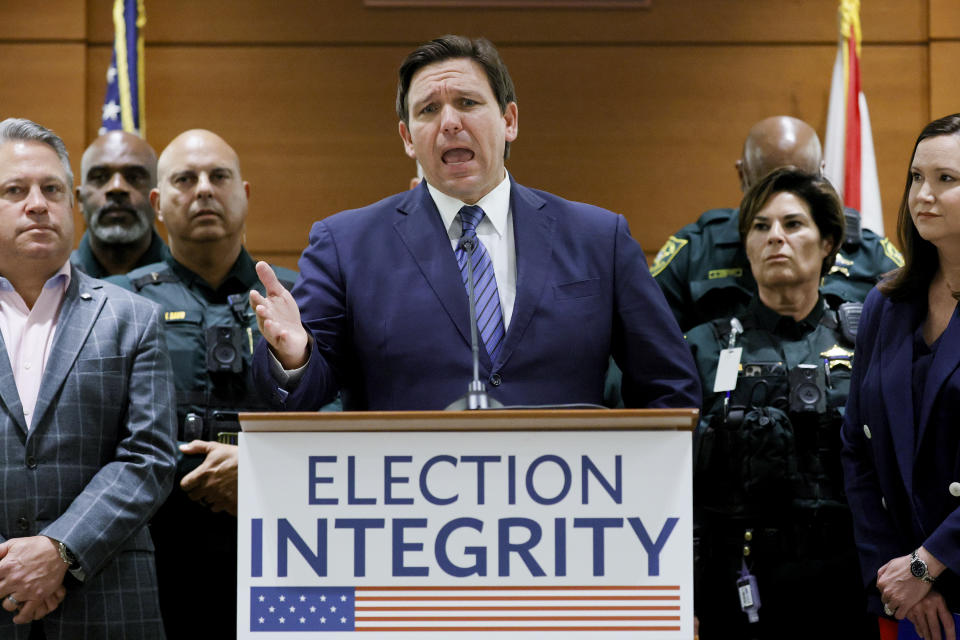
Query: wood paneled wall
[(640, 111), (944, 57)]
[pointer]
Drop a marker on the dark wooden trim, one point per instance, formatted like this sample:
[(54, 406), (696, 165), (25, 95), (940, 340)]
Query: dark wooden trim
[(492, 420)]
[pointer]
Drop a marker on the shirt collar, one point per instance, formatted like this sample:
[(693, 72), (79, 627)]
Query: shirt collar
[(772, 321), (495, 205), (238, 279), (61, 278), (85, 259)]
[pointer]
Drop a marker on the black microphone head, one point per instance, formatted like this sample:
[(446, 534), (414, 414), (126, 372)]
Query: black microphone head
[(467, 244)]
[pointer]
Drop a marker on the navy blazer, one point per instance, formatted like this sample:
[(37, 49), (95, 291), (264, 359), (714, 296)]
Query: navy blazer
[(902, 479), (382, 296)]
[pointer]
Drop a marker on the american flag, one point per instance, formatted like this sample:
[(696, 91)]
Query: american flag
[(466, 608), (123, 104)]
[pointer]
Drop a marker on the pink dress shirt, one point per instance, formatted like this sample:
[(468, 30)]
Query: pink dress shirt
[(28, 334)]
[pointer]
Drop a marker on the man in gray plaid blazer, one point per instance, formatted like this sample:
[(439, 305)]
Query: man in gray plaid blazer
[(87, 418)]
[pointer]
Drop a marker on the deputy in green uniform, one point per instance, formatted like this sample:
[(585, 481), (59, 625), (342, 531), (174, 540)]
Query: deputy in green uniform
[(202, 286), (703, 270), (776, 556), (118, 171)]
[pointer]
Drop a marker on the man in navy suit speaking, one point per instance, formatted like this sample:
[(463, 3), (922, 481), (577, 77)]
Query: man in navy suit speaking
[(381, 309)]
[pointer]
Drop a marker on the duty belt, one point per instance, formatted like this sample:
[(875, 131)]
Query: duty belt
[(221, 426)]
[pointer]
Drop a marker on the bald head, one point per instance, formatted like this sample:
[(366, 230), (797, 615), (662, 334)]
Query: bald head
[(197, 142), (120, 144), (776, 142), (201, 197), (118, 170)]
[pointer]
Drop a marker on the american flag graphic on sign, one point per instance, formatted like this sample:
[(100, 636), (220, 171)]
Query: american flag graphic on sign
[(301, 609), (464, 608)]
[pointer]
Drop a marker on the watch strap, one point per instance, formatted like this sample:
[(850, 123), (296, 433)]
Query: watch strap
[(918, 568), (66, 555)]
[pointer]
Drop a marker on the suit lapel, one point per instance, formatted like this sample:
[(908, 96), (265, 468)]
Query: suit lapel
[(945, 362), (9, 394), (896, 366), (533, 238), (421, 229), (80, 308)]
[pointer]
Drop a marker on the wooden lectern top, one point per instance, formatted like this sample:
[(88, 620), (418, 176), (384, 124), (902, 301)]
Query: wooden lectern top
[(479, 420)]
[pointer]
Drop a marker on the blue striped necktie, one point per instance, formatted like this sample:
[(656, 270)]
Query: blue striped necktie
[(489, 316)]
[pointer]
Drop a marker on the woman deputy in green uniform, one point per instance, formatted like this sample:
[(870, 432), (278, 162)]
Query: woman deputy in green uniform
[(775, 550)]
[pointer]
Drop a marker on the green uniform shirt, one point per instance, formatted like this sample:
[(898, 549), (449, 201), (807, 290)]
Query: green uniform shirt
[(187, 534), (771, 338), (704, 273), (205, 329), (768, 489), (83, 258)]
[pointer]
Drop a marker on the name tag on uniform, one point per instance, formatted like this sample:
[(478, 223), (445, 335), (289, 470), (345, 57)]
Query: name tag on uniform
[(728, 366)]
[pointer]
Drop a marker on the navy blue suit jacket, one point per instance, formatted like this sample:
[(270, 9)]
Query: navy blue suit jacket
[(901, 478), (381, 294)]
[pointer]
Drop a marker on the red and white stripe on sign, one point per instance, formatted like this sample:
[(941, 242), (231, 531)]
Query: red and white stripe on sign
[(518, 608)]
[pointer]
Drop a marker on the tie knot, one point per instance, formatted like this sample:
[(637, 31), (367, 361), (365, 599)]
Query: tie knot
[(470, 217)]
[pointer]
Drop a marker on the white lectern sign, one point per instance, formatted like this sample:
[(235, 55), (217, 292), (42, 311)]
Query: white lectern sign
[(568, 533)]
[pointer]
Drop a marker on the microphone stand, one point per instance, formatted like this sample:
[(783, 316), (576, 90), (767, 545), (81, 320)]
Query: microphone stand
[(476, 396)]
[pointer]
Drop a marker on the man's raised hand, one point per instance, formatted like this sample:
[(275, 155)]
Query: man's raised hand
[(278, 318)]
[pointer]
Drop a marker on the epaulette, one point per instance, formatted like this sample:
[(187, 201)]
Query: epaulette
[(154, 277), (722, 327), (714, 216)]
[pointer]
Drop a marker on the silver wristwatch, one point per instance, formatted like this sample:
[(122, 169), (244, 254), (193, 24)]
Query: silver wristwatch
[(919, 568), (66, 555)]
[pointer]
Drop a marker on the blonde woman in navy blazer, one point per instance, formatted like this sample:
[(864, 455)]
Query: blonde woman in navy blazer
[(901, 434)]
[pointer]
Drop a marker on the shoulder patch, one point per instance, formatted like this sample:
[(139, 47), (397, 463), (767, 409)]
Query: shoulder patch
[(667, 252), (891, 252)]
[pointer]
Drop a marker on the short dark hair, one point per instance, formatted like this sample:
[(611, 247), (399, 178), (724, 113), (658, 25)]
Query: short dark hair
[(449, 47), (816, 191), (920, 258)]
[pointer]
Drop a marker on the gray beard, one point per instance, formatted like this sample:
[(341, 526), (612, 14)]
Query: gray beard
[(120, 234)]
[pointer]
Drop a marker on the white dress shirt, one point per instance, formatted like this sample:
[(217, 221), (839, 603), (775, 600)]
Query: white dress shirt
[(495, 232), (28, 334)]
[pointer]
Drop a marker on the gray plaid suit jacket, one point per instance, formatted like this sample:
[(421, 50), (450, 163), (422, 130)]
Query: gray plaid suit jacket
[(97, 461)]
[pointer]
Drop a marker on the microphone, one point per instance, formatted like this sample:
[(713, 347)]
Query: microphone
[(476, 396)]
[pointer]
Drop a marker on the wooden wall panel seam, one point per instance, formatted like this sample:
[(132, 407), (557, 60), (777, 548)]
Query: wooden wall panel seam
[(43, 41)]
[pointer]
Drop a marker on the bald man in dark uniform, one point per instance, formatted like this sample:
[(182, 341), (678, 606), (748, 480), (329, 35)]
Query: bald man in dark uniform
[(702, 269)]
